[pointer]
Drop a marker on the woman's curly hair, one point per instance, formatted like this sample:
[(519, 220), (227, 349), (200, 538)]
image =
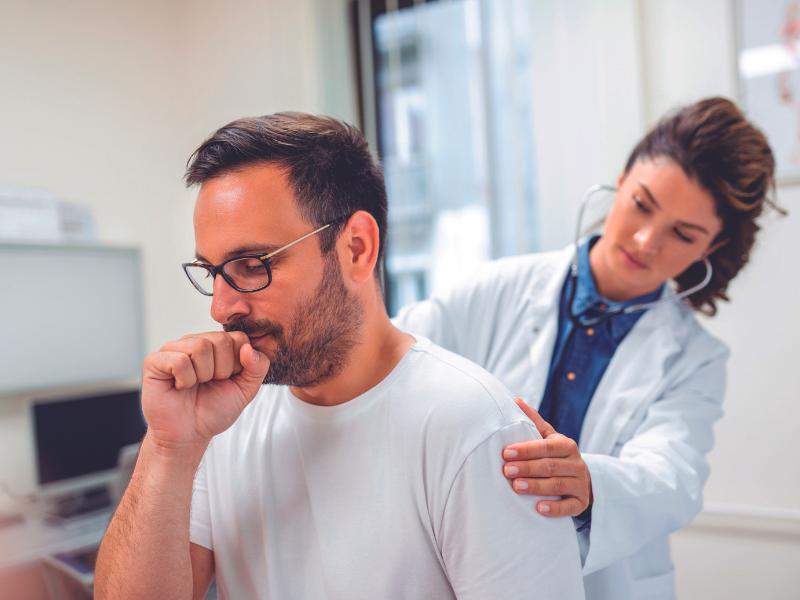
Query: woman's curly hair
[(719, 148)]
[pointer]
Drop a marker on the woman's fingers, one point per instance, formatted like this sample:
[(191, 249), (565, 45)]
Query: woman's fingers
[(555, 446), (542, 426), (552, 466), (543, 467), (553, 486), (568, 507)]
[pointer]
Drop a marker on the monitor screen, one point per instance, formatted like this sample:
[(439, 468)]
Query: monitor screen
[(82, 303), (75, 437)]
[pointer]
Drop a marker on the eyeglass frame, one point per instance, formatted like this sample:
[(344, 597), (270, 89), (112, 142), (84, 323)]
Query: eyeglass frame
[(264, 258)]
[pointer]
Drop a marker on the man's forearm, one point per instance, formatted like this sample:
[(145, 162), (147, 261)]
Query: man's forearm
[(145, 552)]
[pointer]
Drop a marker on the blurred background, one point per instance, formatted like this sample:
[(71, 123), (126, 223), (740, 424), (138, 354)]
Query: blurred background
[(491, 118)]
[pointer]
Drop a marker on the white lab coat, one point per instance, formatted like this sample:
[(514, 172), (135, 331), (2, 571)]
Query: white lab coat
[(647, 430)]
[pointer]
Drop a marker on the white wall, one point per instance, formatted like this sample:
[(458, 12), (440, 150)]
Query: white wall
[(102, 102), (587, 103)]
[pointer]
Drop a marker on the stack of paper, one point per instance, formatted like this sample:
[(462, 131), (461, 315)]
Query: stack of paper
[(36, 215)]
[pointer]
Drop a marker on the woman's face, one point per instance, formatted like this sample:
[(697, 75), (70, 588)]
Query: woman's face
[(661, 222)]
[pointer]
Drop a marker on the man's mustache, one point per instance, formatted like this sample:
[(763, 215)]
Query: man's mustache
[(254, 328)]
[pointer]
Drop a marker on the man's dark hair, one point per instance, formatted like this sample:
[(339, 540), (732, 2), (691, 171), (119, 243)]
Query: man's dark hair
[(328, 164)]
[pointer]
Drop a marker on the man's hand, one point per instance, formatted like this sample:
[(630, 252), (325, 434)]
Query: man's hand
[(551, 466), (197, 386)]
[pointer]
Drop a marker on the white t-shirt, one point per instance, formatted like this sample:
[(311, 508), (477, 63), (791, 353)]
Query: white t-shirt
[(396, 494)]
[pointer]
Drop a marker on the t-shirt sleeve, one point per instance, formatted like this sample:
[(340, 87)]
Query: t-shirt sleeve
[(493, 542), (200, 512)]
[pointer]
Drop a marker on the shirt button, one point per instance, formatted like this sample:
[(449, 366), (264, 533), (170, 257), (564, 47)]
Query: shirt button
[(571, 376), (590, 332)]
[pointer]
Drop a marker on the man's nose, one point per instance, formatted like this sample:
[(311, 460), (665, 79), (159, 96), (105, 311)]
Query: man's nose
[(228, 304)]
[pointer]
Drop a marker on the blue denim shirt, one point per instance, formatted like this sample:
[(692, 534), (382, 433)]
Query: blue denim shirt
[(581, 356)]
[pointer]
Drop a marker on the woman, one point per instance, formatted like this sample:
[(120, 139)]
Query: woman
[(633, 394)]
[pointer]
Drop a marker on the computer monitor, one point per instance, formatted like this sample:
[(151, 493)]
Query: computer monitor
[(72, 316), (77, 440)]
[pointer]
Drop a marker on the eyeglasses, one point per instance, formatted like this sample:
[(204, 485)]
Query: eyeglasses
[(247, 273)]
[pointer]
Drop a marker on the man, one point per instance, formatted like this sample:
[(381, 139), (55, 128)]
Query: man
[(369, 469)]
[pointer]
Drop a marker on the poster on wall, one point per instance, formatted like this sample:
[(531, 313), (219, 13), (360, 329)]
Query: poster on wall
[(769, 76)]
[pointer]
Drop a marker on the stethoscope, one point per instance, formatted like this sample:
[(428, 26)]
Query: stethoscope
[(609, 314)]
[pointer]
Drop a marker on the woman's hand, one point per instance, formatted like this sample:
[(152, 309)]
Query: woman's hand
[(551, 466)]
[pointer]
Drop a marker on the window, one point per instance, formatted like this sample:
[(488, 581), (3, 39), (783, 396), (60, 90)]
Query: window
[(447, 83)]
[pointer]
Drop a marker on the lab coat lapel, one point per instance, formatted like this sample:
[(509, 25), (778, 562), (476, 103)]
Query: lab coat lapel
[(543, 323), (630, 382)]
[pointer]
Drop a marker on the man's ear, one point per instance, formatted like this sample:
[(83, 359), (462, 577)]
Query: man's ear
[(358, 246)]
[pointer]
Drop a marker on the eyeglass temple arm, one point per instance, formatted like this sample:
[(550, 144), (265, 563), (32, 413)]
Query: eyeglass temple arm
[(290, 244)]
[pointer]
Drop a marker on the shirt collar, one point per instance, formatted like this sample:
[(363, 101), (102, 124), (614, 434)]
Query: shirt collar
[(589, 303)]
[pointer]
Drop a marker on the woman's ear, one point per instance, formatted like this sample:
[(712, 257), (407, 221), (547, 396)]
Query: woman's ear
[(714, 247), (359, 245)]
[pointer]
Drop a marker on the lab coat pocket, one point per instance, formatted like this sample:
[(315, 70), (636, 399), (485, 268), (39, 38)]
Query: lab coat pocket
[(656, 587)]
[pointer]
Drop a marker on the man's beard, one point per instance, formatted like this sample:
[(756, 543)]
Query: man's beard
[(322, 332)]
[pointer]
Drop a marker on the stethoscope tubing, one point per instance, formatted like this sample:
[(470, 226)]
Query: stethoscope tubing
[(573, 273)]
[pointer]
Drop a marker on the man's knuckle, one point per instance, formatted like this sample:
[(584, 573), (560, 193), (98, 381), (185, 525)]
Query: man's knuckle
[(204, 344), (238, 337), (228, 341)]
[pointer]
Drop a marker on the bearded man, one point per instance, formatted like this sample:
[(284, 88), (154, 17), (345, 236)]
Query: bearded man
[(311, 449)]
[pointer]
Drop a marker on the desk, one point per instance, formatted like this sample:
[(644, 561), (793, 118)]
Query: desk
[(24, 548)]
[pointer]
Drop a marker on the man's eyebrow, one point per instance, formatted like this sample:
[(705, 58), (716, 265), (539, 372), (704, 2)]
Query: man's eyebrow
[(259, 250), (681, 223)]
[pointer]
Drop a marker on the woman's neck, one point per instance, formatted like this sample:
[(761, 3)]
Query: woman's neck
[(608, 286)]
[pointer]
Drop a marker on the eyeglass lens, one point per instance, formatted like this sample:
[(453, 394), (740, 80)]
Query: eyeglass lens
[(247, 274)]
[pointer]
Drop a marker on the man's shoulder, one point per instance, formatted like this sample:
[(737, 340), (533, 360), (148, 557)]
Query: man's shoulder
[(454, 409), (458, 395)]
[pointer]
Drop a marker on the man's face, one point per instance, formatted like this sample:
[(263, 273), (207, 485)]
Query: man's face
[(306, 321)]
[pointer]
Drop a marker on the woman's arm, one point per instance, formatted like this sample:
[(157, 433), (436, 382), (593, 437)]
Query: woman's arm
[(655, 485), (652, 488), (477, 315)]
